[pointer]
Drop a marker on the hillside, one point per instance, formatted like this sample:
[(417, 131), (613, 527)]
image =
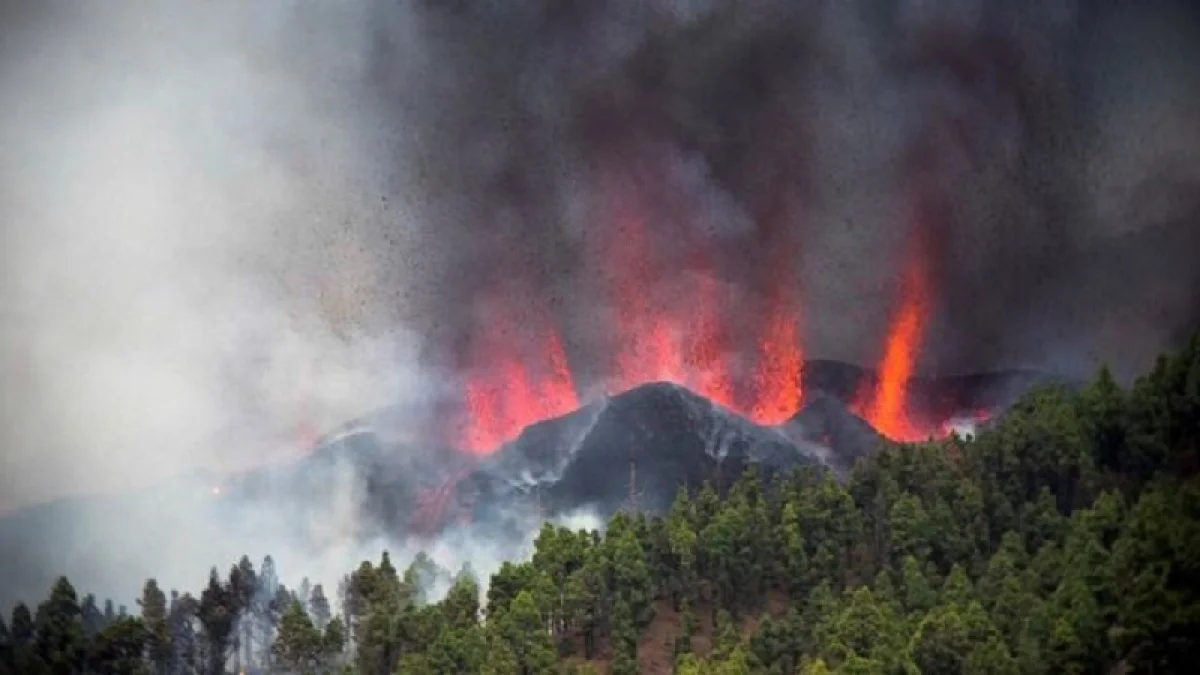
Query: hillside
[(1064, 539)]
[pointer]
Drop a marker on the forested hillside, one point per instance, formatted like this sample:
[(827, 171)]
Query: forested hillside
[(1065, 539)]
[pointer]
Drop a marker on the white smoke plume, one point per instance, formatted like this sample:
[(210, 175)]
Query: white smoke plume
[(191, 277)]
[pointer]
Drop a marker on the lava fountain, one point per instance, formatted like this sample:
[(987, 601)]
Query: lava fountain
[(519, 370), (777, 391), (887, 407), (517, 377)]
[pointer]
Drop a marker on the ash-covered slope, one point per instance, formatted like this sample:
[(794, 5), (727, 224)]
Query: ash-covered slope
[(641, 444), (364, 482), (842, 436)]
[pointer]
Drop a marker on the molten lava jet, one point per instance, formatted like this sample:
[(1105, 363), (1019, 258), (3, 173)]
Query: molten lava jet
[(686, 341), (673, 325), (888, 411), (707, 361), (776, 392), (887, 407), (518, 371), (514, 379), (647, 345), (668, 324)]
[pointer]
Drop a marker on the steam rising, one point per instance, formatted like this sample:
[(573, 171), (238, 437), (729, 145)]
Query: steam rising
[(228, 222)]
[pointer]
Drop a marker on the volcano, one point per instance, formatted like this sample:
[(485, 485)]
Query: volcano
[(634, 449)]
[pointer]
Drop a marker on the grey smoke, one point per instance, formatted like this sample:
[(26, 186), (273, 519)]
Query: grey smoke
[(223, 221), (1041, 127)]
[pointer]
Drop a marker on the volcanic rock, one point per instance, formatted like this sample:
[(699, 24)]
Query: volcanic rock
[(631, 449), (845, 438), (636, 448)]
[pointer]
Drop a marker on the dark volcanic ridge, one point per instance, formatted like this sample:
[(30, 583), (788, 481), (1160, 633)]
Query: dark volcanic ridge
[(636, 448)]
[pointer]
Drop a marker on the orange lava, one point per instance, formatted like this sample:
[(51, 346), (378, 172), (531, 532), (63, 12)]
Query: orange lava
[(888, 409), (519, 372), (515, 380), (685, 340), (647, 344), (777, 392), (707, 371)]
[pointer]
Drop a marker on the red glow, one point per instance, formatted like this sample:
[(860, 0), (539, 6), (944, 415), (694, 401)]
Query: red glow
[(647, 347), (966, 422), (307, 436), (777, 387), (888, 408), (707, 361), (888, 412), (685, 340), (433, 503), (681, 330), (519, 371), (514, 382)]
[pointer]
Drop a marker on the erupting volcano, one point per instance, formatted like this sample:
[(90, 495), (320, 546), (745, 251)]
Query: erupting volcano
[(680, 330)]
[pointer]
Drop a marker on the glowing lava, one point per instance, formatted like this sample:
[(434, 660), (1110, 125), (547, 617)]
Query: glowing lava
[(516, 380), (888, 409), (708, 374), (671, 325), (519, 372), (685, 341), (777, 388), (647, 345)]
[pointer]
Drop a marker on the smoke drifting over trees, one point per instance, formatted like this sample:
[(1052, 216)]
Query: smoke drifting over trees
[(225, 223)]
